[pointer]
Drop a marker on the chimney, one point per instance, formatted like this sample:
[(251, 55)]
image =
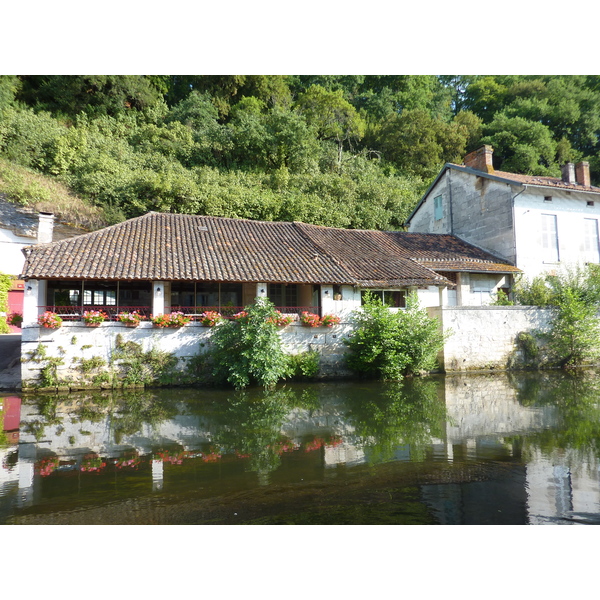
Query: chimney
[(582, 173), (45, 228), (568, 173), (480, 160)]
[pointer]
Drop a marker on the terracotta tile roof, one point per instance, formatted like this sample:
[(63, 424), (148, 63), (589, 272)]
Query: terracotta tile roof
[(370, 256), (553, 182), (161, 246), (173, 247), (444, 252)]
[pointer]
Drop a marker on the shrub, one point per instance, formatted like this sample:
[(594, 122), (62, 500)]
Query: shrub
[(574, 334), (391, 345), (248, 350)]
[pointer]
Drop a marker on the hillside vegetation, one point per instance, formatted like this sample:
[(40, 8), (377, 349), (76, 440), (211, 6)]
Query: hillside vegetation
[(346, 151)]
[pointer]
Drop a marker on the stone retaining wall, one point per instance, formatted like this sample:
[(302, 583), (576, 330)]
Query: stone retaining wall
[(73, 342), (484, 338)]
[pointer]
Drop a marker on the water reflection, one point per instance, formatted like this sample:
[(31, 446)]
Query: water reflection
[(461, 449)]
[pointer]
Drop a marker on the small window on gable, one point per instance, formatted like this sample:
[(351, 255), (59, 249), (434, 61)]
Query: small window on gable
[(547, 198), (437, 208), (590, 203)]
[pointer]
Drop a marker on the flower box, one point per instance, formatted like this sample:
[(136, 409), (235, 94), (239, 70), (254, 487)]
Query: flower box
[(211, 317), (310, 319), (130, 319), (50, 320), (174, 319), (93, 318)]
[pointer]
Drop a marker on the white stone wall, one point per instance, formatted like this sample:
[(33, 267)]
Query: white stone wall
[(484, 338), (74, 341)]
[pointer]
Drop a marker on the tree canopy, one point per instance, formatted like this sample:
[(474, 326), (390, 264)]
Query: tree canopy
[(340, 150)]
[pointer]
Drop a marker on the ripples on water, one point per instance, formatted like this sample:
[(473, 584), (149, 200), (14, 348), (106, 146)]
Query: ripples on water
[(502, 449)]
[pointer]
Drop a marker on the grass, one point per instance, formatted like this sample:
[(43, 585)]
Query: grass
[(23, 186)]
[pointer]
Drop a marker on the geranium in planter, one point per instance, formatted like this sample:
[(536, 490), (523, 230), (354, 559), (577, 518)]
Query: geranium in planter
[(50, 320), (174, 319), (130, 319), (15, 319), (211, 317), (310, 319), (280, 319), (93, 318), (330, 320)]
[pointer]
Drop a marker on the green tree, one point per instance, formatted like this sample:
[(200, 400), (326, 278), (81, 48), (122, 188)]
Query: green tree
[(248, 350), (332, 117), (391, 345), (574, 337), (420, 144)]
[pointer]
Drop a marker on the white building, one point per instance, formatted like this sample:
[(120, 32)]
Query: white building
[(536, 223)]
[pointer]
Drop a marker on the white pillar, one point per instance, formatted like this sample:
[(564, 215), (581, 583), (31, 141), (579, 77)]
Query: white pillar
[(158, 298), (261, 290), (34, 301), (327, 302)]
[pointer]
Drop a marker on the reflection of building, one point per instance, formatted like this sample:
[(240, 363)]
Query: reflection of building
[(562, 488)]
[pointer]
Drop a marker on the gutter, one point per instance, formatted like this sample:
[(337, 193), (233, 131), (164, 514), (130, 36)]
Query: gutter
[(514, 228)]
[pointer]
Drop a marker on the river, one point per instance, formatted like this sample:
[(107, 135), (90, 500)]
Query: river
[(464, 449)]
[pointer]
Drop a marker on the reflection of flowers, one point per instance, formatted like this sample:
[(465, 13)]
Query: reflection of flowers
[(317, 442), (174, 458), (284, 445), (92, 463), (46, 466), (130, 460)]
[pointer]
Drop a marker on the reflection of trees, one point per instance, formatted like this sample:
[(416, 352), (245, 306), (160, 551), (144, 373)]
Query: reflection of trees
[(576, 398), (400, 413), (250, 425)]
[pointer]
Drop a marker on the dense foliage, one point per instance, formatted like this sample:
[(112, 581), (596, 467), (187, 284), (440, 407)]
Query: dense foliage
[(5, 285), (349, 151), (574, 335), (248, 350), (390, 345)]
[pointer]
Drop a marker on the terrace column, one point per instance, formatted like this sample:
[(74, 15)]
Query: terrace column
[(327, 303), (158, 298), (261, 290), (34, 301)]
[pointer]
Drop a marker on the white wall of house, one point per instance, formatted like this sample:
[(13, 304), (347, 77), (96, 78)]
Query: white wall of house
[(554, 229), (12, 259)]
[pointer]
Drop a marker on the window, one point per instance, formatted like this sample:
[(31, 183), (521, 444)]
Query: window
[(590, 243), (438, 211), (283, 295), (393, 298), (550, 238), (100, 297)]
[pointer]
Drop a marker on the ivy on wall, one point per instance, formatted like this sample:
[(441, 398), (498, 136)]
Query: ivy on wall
[(5, 285)]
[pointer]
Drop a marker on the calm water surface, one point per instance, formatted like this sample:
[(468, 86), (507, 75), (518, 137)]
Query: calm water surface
[(501, 449)]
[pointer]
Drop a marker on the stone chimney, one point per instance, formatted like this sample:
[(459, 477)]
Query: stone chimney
[(568, 173), (480, 160), (45, 228), (582, 173)]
